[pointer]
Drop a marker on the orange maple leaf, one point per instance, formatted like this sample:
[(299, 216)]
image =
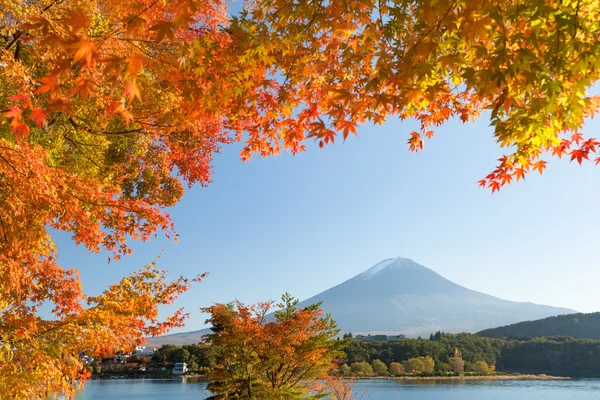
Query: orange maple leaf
[(20, 129), (37, 115), (132, 91), (576, 137), (14, 112), (519, 173), (346, 127), (85, 51), (540, 165), (134, 65), (163, 29), (48, 85)]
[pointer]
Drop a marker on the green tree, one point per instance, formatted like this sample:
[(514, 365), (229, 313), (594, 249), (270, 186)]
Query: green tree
[(345, 370), (362, 368), (481, 367), (396, 369), (419, 365), (379, 367)]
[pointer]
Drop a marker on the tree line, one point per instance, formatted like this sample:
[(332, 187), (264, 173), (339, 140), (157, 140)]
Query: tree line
[(550, 355), (436, 355)]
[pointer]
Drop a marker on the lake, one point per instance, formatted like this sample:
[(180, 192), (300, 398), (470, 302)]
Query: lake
[(584, 389)]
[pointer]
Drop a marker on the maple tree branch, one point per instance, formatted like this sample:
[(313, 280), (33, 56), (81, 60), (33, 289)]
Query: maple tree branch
[(134, 17), (55, 2), (576, 25), (3, 232), (104, 133), (287, 75), (12, 166), (131, 42), (16, 38), (437, 26), (75, 143)]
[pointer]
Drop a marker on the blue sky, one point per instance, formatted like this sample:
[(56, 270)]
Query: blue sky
[(305, 223)]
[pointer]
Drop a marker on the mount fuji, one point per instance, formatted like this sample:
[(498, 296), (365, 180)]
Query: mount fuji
[(399, 296)]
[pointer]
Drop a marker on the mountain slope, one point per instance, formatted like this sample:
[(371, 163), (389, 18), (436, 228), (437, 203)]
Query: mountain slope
[(580, 326), (191, 337), (400, 296)]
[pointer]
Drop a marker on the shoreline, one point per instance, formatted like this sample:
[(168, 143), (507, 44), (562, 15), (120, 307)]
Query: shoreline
[(518, 377)]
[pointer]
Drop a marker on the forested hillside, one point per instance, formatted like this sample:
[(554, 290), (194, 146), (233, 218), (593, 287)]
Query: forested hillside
[(553, 356), (581, 326)]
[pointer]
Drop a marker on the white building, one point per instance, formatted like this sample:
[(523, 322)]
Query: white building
[(180, 368), (144, 351)]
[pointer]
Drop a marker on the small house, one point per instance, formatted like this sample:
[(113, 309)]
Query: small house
[(180, 368)]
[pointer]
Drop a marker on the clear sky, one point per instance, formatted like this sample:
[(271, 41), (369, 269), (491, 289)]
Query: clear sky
[(305, 223)]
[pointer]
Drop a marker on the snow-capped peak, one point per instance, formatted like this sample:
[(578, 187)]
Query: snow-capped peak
[(381, 266)]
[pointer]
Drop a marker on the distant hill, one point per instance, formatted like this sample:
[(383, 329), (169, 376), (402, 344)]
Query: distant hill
[(399, 296), (191, 337), (580, 326)]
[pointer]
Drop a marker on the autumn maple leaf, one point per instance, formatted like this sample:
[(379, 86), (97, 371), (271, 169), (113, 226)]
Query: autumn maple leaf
[(134, 23), (519, 173), (48, 85), (85, 51), (83, 87), (37, 115), (14, 112), (134, 65), (21, 98), (540, 165), (576, 137), (346, 127), (163, 29), (132, 91), (20, 129), (579, 155)]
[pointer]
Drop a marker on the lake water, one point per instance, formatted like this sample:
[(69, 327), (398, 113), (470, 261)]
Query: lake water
[(371, 390)]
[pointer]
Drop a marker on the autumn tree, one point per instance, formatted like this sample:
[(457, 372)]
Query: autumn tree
[(419, 365), (40, 361), (262, 354), (396, 369), (456, 363), (529, 66), (336, 389), (80, 153)]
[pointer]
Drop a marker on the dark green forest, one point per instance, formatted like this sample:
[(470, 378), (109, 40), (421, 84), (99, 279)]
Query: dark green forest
[(564, 356), (580, 326), (545, 355)]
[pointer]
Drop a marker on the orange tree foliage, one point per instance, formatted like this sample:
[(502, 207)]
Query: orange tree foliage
[(276, 356), (529, 64), (79, 152)]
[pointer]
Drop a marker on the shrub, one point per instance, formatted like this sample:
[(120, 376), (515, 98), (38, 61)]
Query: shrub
[(419, 365), (345, 370), (379, 367), (396, 369), (362, 368)]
